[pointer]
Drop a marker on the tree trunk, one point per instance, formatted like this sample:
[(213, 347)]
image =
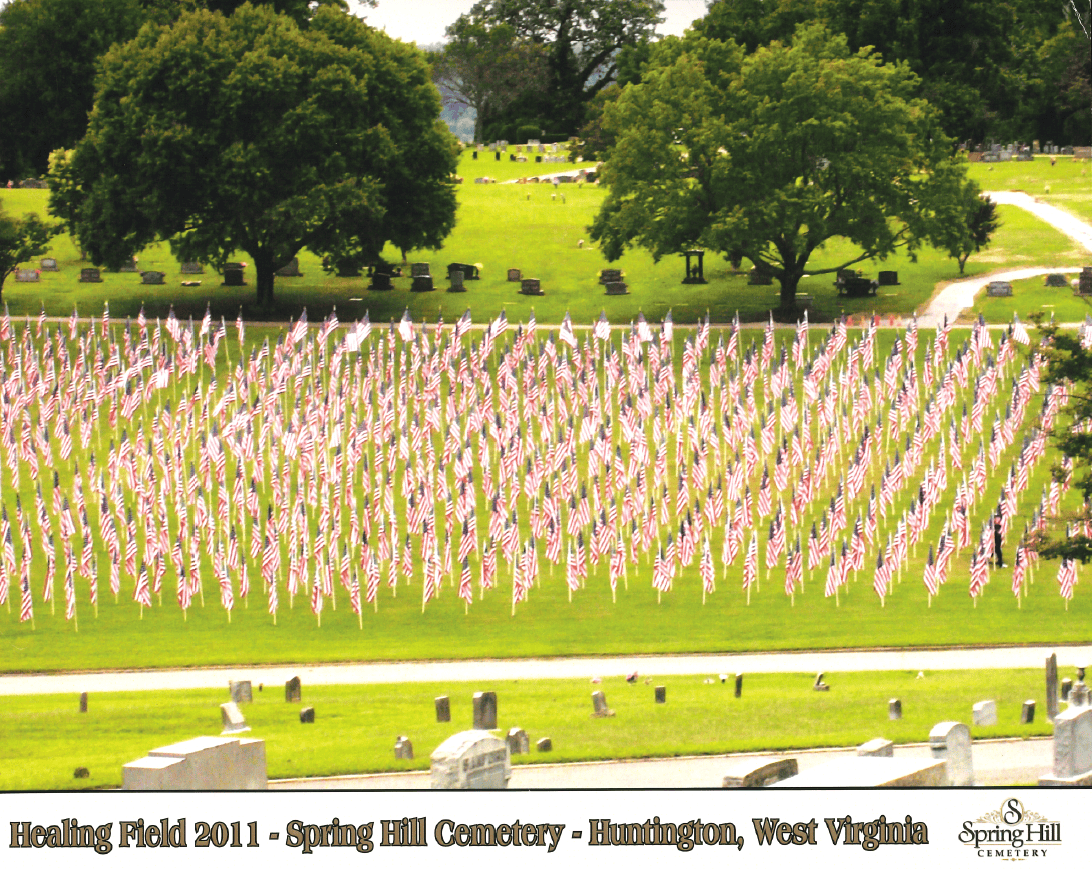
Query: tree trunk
[(263, 265), (789, 282)]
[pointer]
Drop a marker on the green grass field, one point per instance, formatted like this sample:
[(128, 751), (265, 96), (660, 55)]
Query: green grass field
[(531, 228), (355, 727), (1067, 184), (1031, 296), (120, 634), (539, 230)]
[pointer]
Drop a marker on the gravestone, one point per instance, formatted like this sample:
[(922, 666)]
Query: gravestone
[(83, 702), (545, 744), (456, 278), (307, 715), (1055, 279), (819, 684), (48, 264), (241, 691), (878, 747), (894, 709), (422, 284), (999, 289), (443, 709), (515, 275), (950, 741), (403, 748), (599, 704), (761, 773), (485, 710), (130, 266), (473, 155), (232, 719), (518, 741), (27, 276), (1052, 686), (471, 760), (1080, 694), (192, 269), (617, 288), (292, 690), (1067, 687), (1072, 748), (984, 713), (206, 763), (610, 276), (419, 270), (380, 282), (1027, 712), (152, 277), (1084, 282), (661, 693), (81, 772), (233, 275), (888, 279), (531, 287), (739, 684), (292, 270)]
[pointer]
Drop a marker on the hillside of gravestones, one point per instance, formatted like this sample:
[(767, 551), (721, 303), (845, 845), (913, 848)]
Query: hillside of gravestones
[(480, 757)]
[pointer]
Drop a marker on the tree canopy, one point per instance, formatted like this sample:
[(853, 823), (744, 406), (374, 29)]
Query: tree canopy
[(767, 156), (1007, 69), (249, 133), (48, 50), (581, 39), (1069, 366), (48, 55), (488, 68)]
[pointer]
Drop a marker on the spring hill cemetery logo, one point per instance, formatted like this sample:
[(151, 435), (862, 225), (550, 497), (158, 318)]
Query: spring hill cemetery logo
[(1011, 833)]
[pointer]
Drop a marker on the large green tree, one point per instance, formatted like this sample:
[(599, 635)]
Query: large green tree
[(249, 133), (488, 68), (582, 40), (767, 156)]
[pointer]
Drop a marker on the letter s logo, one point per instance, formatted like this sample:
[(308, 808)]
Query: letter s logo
[(1012, 811)]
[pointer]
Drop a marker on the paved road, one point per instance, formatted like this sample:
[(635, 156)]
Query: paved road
[(555, 668)]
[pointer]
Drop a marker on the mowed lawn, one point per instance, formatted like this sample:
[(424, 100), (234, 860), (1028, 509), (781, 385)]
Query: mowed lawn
[(355, 727), (542, 231)]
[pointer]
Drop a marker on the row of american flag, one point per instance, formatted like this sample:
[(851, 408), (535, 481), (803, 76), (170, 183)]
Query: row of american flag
[(347, 455)]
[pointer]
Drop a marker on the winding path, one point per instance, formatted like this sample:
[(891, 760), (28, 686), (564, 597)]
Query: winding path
[(955, 298)]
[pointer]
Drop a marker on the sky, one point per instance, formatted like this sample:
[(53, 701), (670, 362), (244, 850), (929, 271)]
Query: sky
[(424, 21)]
